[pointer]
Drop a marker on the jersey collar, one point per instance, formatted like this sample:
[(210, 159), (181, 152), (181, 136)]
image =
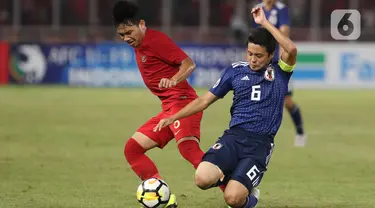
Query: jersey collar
[(146, 39)]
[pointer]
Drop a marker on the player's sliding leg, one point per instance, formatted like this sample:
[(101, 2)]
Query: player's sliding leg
[(295, 113), (236, 194), (241, 191), (134, 152)]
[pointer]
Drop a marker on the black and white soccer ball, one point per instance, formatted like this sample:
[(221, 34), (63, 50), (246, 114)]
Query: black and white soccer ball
[(153, 193)]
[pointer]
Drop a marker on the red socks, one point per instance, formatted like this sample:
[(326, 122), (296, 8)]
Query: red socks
[(222, 187), (139, 162), (145, 168), (191, 151)]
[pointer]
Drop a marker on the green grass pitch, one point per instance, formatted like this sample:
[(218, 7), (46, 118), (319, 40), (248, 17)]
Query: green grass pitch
[(63, 148)]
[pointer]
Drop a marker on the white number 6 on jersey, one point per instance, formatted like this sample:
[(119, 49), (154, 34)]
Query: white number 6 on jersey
[(255, 93)]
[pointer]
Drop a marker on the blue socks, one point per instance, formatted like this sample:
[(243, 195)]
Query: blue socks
[(251, 201), (295, 113)]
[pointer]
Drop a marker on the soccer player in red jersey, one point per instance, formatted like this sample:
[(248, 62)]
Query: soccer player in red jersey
[(164, 68)]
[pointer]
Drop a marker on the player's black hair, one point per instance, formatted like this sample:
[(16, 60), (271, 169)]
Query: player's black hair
[(261, 36), (125, 12)]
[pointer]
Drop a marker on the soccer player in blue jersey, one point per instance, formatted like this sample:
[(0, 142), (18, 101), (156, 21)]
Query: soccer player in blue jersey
[(277, 14), (241, 155)]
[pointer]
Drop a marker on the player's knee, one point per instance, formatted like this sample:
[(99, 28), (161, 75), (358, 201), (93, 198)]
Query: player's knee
[(233, 199), (132, 148), (140, 142), (235, 194), (207, 175)]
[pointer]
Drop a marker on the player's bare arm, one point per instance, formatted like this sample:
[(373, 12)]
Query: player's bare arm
[(285, 30), (187, 67), (289, 54), (192, 108)]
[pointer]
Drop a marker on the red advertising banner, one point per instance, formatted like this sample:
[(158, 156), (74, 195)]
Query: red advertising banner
[(4, 58)]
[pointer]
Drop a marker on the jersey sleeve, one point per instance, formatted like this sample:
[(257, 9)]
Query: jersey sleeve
[(223, 84), (284, 17), (167, 50)]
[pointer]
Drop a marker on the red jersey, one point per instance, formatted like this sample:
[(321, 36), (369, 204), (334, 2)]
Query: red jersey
[(159, 57)]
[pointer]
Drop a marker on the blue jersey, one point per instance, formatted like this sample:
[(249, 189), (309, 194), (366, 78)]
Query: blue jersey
[(278, 16), (258, 96)]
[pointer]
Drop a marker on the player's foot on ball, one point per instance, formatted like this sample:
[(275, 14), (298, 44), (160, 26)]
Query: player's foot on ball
[(300, 140), (172, 203)]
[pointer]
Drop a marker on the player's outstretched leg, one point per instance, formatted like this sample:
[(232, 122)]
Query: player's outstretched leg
[(295, 113), (134, 152)]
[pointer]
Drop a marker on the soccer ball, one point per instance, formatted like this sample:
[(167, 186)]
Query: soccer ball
[(153, 193)]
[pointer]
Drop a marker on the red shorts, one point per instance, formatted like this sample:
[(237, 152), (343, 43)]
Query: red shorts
[(186, 127)]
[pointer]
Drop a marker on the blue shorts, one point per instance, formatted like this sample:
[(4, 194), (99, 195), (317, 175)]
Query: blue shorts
[(242, 156)]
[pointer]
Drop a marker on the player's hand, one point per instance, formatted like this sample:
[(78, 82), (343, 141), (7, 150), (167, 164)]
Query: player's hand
[(258, 15), (163, 123), (167, 83)]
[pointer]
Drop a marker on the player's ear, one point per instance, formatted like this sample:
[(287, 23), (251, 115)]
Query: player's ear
[(142, 25)]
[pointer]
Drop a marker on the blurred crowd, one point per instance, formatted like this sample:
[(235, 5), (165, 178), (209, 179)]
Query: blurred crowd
[(90, 20)]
